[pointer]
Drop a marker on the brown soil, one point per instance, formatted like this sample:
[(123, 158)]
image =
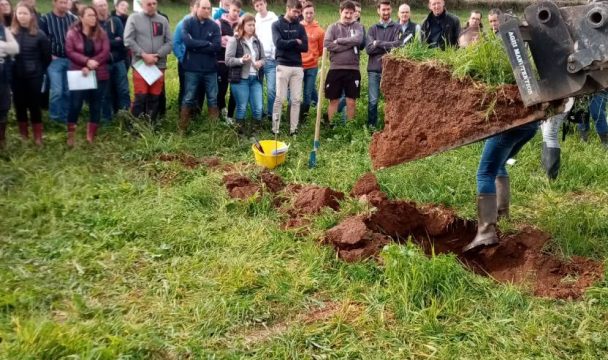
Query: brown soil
[(273, 182), (187, 160), (365, 185), (448, 114), (239, 186), (310, 199), (518, 258)]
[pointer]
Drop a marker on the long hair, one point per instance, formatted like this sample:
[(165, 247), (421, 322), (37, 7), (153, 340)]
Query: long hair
[(32, 27), (240, 27), (97, 31)]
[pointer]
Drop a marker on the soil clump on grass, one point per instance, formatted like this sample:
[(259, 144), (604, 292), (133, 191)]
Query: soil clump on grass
[(240, 186), (449, 113), (518, 258)]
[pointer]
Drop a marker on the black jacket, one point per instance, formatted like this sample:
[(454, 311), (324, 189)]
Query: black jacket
[(122, 18), (284, 35), (202, 40), (34, 54), (115, 31), (449, 30)]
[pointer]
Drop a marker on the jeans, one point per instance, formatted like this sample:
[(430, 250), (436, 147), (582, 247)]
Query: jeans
[(597, 110), (248, 91), (497, 150), (270, 73), (193, 80), (93, 97), (60, 94), (310, 79), (117, 96), (373, 96)]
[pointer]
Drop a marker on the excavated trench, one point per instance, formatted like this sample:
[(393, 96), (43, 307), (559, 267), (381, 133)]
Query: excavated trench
[(449, 112)]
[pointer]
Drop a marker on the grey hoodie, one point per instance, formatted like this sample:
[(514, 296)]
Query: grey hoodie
[(344, 52), (149, 34)]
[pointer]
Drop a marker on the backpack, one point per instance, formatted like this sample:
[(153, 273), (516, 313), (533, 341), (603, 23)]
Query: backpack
[(6, 63)]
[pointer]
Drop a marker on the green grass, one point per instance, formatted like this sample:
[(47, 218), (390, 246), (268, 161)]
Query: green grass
[(107, 252)]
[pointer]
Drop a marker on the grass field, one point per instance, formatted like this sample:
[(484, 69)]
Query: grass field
[(107, 252)]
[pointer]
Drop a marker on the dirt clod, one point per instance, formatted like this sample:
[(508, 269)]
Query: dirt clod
[(239, 186), (311, 199), (365, 185), (273, 182), (448, 114)]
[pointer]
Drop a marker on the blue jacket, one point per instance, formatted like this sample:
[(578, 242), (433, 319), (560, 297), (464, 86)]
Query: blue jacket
[(179, 49), (202, 40), (284, 35)]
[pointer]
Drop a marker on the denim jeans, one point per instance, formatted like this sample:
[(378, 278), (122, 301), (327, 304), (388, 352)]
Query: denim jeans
[(373, 96), (117, 96), (310, 80), (597, 110), (248, 91), (93, 97), (270, 74), (497, 150), (193, 80), (57, 73)]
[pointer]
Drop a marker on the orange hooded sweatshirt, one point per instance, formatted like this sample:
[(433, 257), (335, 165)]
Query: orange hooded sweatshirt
[(316, 35)]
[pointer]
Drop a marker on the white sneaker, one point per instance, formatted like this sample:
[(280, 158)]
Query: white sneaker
[(229, 120)]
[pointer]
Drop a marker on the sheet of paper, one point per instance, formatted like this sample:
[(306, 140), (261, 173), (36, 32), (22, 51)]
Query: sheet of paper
[(150, 73), (76, 81)]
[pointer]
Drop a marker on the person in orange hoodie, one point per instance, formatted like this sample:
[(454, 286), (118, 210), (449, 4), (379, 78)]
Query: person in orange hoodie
[(310, 59)]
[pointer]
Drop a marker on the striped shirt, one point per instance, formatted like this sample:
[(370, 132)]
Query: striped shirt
[(56, 28)]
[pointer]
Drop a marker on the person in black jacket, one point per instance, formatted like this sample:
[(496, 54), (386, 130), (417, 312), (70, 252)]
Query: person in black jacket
[(290, 39), (30, 67), (6, 9), (440, 29), (8, 49), (117, 95)]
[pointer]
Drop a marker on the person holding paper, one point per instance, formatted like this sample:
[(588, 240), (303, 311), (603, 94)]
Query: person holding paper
[(30, 65), (88, 48), (148, 36)]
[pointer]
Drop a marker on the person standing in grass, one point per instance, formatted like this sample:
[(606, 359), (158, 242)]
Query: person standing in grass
[(88, 49), (30, 65), (440, 29), (179, 50), (407, 28), (263, 29), (342, 40), (8, 48), (121, 11), (117, 96), (310, 59), (381, 39), (289, 37), (148, 36), (55, 25), (202, 38), (245, 58), (227, 24)]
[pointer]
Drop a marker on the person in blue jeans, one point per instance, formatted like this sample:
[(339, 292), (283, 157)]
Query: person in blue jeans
[(493, 188), (263, 30), (55, 25), (245, 60), (597, 110)]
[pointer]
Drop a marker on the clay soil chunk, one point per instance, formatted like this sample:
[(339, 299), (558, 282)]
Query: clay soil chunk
[(240, 187), (311, 199), (447, 114)]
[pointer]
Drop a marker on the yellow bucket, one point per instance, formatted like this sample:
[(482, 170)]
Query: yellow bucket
[(266, 159)]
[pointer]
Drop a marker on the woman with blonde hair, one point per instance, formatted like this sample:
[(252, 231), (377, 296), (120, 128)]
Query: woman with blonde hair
[(28, 73), (245, 60)]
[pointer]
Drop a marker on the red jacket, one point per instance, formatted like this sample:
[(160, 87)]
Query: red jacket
[(74, 50)]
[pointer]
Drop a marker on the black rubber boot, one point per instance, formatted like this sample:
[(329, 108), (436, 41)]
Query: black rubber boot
[(551, 158), (503, 196), (487, 215)]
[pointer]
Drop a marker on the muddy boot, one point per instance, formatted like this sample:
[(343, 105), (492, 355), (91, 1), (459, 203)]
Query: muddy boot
[(503, 196), (213, 114), (139, 105), (240, 126), (23, 130), (91, 132), (584, 135), (71, 135), (2, 135), (550, 158), (487, 214), (184, 120), (37, 130), (604, 140)]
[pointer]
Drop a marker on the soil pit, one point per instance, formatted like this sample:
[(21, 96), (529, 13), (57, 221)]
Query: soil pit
[(448, 114), (518, 258)]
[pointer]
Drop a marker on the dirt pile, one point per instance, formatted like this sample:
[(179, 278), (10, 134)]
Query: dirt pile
[(447, 114), (518, 258), (191, 162), (239, 186)]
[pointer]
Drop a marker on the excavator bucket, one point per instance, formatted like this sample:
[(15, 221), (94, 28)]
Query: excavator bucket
[(557, 52)]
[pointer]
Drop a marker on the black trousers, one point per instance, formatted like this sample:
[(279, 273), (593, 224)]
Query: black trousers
[(28, 97)]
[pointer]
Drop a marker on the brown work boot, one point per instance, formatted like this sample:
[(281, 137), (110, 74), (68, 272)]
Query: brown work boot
[(37, 130), (503, 196), (487, 214), (213, 114), (184, 120), (71, 135)]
